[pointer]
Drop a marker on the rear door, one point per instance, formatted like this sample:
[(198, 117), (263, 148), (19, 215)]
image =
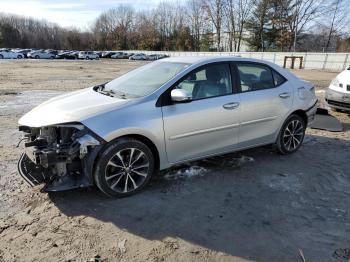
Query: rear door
[(266, 98), (209, 123)]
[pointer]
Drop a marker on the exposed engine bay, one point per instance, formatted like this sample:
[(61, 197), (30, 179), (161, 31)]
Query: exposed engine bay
[(59, 156)]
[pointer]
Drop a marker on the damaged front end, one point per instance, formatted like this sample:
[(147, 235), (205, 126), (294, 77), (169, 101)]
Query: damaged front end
[(61, 156)]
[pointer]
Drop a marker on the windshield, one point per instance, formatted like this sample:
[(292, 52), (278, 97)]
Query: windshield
[(146, 79)]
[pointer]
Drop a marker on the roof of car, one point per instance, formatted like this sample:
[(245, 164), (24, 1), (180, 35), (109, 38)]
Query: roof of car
[(211, 59), (199, 59)]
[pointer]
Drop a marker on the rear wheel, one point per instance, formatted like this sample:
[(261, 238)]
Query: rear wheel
[(124, 167), (291, 135), (36, 57), (1, 57), (19, 57)]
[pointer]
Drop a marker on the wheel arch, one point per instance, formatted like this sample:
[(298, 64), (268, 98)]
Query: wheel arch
[(298, 112), (302, 114), (148, 142)]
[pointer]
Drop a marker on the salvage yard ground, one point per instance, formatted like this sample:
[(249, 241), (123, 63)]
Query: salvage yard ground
[(252, 205)]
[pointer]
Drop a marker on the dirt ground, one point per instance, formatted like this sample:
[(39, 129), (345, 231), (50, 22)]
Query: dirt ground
[(253, 205)]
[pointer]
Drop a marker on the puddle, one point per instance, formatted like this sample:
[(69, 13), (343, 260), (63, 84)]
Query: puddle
[(26, 100), (186, 172), (239, 161)]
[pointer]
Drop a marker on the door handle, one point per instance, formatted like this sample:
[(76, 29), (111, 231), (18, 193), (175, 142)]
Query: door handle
[(230, 106), (284, 95)]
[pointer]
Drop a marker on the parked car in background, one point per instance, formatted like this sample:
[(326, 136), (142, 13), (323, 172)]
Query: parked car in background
[(139, 56), (24, 52), (99, 53), (153, 57), (120, 55), (52, 51), (88, 55), (67, 55), (338, 93), (8, 54), (40, 54), (117, 135), (108, 54), (161, 56)]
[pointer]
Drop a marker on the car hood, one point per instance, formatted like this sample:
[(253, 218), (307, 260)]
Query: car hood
[(71, 107), (344, 76)]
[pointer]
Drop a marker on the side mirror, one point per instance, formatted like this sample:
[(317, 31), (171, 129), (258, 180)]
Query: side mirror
[(180, 96)]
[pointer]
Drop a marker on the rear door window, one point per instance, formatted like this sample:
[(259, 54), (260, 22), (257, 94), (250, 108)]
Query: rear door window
[(278, 78), (254, 77)]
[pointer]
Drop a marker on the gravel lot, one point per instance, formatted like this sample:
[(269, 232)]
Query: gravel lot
[(252, 205)]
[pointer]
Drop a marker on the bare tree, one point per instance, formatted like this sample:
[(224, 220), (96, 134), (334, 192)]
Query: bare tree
[(243, 12), (197, 20), (305, 11), (339, 19), (215, 12)]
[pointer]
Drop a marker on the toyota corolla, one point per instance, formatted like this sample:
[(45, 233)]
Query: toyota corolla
[(118, 134)]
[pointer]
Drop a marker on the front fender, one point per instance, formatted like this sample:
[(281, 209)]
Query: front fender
[(143, 119)]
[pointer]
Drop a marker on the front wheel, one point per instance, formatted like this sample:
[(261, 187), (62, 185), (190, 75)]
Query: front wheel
[(124, 167), (291, 135)]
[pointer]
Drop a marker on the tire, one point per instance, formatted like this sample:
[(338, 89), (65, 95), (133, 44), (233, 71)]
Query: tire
[(36, 57), (19, 57), (87, 58), (1, 57), (114, 175), (291, 135)]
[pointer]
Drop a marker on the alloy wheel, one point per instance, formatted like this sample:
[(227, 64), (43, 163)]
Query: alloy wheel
[(127, 170), (293, 135)]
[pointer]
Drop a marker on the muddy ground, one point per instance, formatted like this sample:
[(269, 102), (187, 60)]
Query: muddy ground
[(253, 205)]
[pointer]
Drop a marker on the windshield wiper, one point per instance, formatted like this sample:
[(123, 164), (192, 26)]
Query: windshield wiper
[(109, 92)]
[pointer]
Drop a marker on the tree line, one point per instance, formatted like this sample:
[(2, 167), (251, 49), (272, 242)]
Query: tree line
[(194, 25)]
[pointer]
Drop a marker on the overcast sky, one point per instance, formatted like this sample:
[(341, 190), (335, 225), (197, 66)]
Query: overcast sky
[(78, 13)]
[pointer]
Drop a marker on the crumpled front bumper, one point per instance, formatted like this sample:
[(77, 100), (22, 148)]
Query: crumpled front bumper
[(33, 174), (337, 100), (61, 167)]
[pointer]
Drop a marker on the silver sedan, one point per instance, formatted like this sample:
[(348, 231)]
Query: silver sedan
[(117, 135)]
